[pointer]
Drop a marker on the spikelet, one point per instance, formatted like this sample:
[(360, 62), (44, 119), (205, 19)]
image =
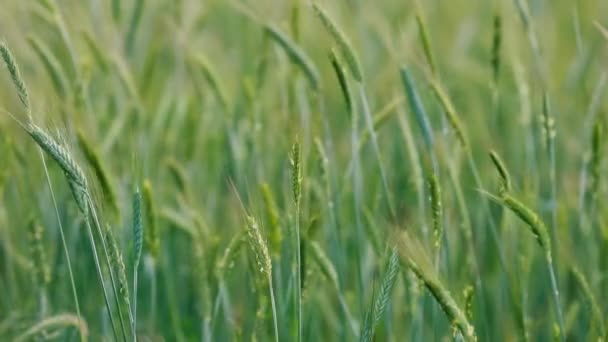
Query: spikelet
[(258, 246), (436, 209), (138, 227), (13, 70), (548, 123), (596, 158), (296, 172), (417, 107), (380, 298), (178, 173), (536, 225), (426, 42), (417, 260), (505, 180), (450, 112), (468, 294), (388, 281), (296, 54), (151, 238), (343, 43), (42, 274), (80, 194), (118, 265), (496, 45), (341, 75), (61, 156), (101, 174), (229, 253), (539, 230), (74, 174)]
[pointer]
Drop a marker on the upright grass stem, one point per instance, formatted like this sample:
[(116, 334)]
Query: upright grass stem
[(138, 242), (101, 278), (549, 134), (374, 140), (558, 305), (296, 179), (539, 230), (274, 308), (93, 213)]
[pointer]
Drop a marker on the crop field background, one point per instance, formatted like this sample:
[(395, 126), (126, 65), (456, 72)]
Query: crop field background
[(184, 170)]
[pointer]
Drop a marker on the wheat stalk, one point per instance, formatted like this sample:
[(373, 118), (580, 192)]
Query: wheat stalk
[(381, 299), (40, 268), (51, 65), (93, 159), (416, 259), (505, 179), (296, 54), (496, 47), (540, 232), (13, 71), (450, 113), (344, 45), (355, 68), (597, 148), (138, 241), (118, 265), (22, 92), (151, 238), (425, 39), (468, 293), (296, 186), (260, 250), (436, 211), (418, 109)]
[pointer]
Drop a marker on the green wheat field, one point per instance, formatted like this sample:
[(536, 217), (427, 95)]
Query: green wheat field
[(265, 170)]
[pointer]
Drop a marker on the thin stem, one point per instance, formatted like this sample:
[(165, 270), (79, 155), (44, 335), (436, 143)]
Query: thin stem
[(493, 228), (486, 211), (61, 233), (274, 308), (297, 292), (358, 194), (134, 323), (553, 181), (100, 274), (370, 126), (107, 256), (349, 316), (151, 267), (558, 307)]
